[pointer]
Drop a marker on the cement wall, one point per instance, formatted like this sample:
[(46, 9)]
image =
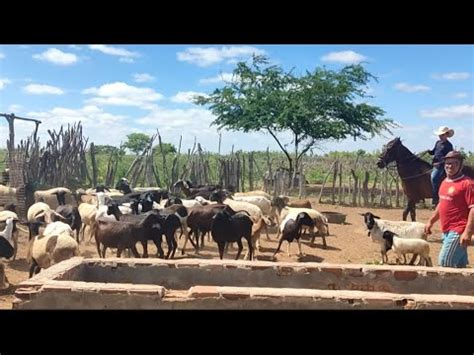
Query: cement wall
[(215, 284), (183, 274)]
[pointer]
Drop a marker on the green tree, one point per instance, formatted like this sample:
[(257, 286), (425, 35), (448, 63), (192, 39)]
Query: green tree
[(314, 107), (105, 149), (137, 142), (167, 148)]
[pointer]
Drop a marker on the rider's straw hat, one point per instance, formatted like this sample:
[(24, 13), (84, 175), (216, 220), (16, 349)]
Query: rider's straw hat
[(443, 129)]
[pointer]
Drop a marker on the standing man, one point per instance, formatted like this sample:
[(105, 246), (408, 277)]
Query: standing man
[(455, 211), (441, 148)]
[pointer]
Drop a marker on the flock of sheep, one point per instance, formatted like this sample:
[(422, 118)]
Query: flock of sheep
[(119, 218)]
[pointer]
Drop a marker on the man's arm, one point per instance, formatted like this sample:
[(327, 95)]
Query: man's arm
[(434, 218), (469, 231)]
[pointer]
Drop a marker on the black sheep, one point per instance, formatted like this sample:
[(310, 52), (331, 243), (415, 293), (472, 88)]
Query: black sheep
[(227, 228)]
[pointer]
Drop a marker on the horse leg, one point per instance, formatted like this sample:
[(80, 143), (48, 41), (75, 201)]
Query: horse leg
[(413, 212), (405, 211)]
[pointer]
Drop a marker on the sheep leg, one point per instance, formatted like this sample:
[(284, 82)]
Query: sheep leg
[(33, 266), (266, 232), (239, 251), (312, 233), (135, 251), (428, 261), (300, 251), (15, 244), (278, 248), (97, 243), (104, 249), (119, 251), (249, 242), (145, 248), (221, 246), (288, 248), (186, 239), (159, 249), (412, 261)]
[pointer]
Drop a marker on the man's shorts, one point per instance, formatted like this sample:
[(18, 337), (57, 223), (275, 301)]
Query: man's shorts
[(452, 254)]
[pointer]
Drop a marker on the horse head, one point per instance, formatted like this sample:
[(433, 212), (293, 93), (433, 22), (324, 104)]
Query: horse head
[(389, 153)]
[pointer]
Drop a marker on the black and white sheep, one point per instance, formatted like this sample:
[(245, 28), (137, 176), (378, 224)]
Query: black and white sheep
[(403, 246), (403, 229), (292, 230)]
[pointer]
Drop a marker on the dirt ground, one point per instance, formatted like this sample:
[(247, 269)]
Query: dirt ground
[(347, 243)]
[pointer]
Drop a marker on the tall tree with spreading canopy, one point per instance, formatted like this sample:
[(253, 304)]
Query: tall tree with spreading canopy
[(314, 107), (137, 142)]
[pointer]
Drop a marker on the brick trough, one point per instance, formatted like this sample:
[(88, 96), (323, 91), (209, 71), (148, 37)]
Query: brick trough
[(113, 283)]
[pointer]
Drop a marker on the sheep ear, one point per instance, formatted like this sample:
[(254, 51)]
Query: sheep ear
[(362, 214), (376, 217), (42, 214)]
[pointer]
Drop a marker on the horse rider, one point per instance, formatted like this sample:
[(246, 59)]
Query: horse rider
[(441, 148)]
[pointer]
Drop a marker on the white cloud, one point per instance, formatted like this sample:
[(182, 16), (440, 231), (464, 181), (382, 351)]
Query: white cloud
[(460, 95), (186, 97), (99, 126), (125, 55), (411, 88), (40, 89), (204, 57), (122, 94), (14, 108), (452, 76), (345, 57), (223, 77), (4, 82), (460, 111), (55, 56), (2, 55), (143, 77), (126, 60)]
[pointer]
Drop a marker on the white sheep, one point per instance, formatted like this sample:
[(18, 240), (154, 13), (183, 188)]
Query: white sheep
[(254, 193), (403, 229), (47, 250), (403, 246)]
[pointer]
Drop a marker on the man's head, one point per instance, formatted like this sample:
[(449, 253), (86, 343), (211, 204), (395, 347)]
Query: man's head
[(453, 163)]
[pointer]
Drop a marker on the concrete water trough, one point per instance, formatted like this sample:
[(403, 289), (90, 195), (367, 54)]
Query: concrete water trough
[(113, 283)]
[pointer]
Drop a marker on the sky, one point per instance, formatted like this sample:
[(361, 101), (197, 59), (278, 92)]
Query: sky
[(115, 90)]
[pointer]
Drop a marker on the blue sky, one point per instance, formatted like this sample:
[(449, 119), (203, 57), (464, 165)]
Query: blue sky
[(118, 89)]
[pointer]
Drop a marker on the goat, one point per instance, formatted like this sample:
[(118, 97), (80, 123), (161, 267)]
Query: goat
[(292, 230), (402, 246), (403, 229)]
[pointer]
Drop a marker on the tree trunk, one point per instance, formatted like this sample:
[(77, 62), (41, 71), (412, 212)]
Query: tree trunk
[(365, 189), (94, 165), (334, 178), (324, 181)]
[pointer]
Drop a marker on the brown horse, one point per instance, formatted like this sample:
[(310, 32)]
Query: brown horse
[(414, 172)]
